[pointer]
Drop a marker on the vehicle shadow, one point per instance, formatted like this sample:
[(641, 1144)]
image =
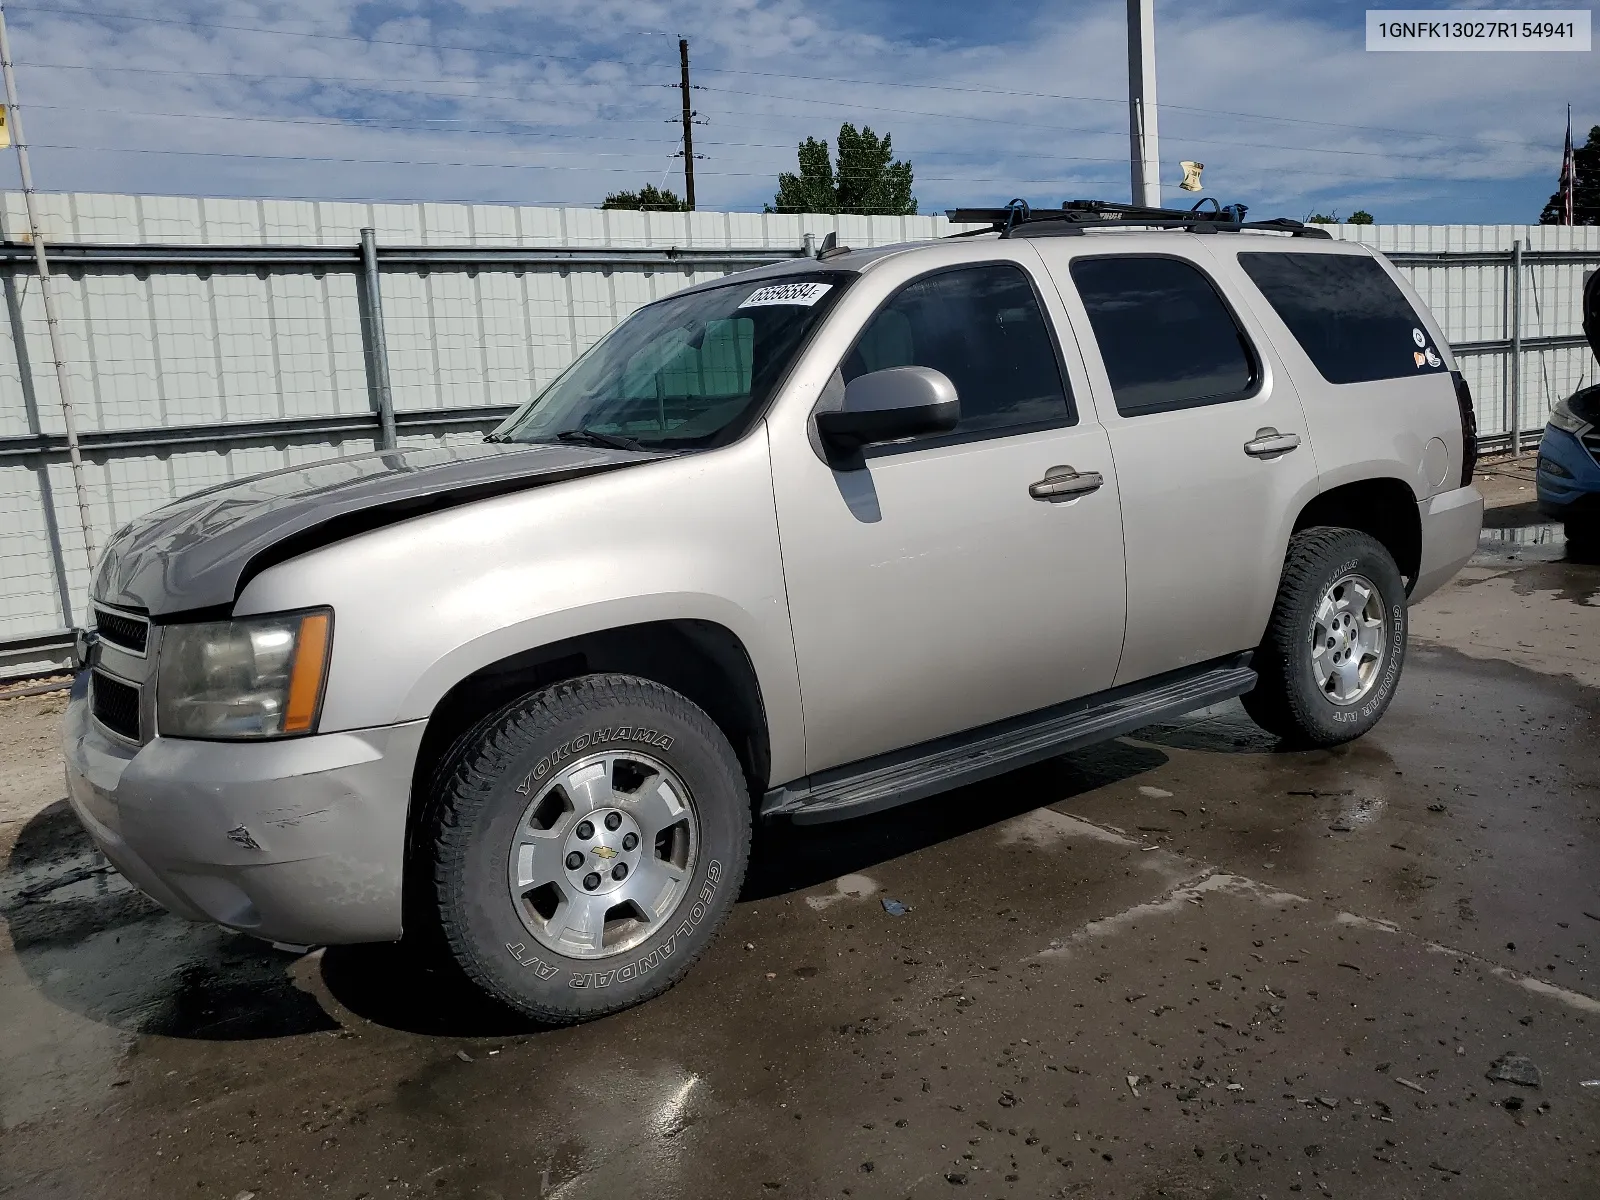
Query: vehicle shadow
[(1220, 729), (789, 857), (93, 945)]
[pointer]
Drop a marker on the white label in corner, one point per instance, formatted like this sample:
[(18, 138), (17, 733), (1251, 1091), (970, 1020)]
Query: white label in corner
[(802, 294)]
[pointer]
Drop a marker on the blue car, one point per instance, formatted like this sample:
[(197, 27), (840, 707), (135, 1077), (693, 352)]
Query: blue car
[(1569, 453)]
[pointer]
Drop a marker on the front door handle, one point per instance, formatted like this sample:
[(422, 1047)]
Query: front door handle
[(1269, 442), (1063, 483)]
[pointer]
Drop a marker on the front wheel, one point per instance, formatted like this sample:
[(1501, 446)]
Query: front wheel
[(588, 842), (1336, 641)]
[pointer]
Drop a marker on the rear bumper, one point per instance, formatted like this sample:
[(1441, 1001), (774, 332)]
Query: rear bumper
[(300, 840), (1451, 522)]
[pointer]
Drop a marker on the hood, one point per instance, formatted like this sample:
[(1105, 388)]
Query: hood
[(198, 552)]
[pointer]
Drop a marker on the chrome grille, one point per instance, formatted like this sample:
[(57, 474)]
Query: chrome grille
[(124, 630), (115, 705)]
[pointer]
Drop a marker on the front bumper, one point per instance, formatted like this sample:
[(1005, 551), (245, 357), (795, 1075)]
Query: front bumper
[(300, 840), (1451, 523), (1575, 493)]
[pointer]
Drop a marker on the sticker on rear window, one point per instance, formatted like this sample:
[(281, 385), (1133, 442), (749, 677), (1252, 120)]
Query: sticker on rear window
[(1420, 338), (1433, 359), (1419, 358), (802, 294)]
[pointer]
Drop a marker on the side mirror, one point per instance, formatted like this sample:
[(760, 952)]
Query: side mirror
[(886, 405)]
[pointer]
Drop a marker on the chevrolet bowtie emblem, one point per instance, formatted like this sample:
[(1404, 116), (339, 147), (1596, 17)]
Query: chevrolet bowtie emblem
[(605, 852)]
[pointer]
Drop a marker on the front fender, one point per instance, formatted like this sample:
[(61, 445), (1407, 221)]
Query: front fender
[(421, 605)]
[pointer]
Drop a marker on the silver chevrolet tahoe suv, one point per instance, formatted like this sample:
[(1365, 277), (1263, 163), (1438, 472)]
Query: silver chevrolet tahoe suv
[(801, 543)]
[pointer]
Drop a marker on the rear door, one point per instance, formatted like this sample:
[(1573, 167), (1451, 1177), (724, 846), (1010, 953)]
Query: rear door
[(1211, 446), (1372, 372)]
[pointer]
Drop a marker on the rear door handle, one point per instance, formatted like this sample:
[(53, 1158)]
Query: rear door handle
[(1063, 483), (1269, 442)]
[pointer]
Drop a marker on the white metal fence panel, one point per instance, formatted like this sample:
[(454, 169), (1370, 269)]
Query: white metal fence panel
[(211, 370)]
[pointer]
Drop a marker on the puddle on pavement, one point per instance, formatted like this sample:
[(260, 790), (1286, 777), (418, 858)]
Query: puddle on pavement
[(1542, 542), (91, 943), (1540, 554)]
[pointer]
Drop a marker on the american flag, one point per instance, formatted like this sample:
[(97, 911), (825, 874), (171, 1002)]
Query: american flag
[(1568, 174)]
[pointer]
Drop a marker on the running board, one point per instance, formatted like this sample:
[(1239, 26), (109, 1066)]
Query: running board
[(937, 766)]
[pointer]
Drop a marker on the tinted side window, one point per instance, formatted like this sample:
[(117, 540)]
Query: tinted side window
[(1167, 339), (981, 326), (1350, 318)]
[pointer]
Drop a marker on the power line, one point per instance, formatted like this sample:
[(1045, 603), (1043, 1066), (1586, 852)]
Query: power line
[(387, 125), (397, 125), (1120, 101), (392, 124), (967, 89), (1007, 180), (949, 116), (335, 37), (427, 162), (353, 83)]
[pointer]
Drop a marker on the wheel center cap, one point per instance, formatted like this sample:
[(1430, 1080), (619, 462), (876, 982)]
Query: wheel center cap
[(602, 850)]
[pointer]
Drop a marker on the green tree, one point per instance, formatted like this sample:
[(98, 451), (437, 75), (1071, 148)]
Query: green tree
[(1360, 217), (1323, 219), (649, 198), (867, 179), (1586, 188)]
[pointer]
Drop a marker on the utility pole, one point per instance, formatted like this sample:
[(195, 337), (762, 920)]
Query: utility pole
[(1144, 157), (688, 124), (52, 322)]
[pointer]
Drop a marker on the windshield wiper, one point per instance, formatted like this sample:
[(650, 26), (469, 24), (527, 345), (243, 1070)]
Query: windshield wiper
[(593, 437)]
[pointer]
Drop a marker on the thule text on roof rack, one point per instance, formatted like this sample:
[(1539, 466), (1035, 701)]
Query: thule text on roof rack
[(1017, 219)]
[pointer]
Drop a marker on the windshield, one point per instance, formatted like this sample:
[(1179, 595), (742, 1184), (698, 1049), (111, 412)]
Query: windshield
[(689, 371)]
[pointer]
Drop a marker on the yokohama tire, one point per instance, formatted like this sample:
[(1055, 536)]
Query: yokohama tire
[(1291, 700), (494, 777)]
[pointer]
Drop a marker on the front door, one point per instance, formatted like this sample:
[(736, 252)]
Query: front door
[(1210, 443), (930, 592)]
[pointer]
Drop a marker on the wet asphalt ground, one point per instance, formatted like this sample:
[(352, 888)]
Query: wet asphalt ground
[(1181, 965)]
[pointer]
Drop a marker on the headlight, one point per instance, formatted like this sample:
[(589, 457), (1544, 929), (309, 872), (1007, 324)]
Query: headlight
[(1564, 419), (256, 677)]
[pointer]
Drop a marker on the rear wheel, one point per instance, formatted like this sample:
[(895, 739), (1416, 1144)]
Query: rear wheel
[(588, 843), (1336, 642)]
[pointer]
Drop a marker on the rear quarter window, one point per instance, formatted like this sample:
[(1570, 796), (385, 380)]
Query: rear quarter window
[(1350, 318)]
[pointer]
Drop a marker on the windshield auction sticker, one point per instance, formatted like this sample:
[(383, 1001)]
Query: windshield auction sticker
[(1477, 29), (803, 294)]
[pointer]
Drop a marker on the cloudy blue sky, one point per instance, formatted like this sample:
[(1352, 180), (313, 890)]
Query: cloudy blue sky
[(561, 101)]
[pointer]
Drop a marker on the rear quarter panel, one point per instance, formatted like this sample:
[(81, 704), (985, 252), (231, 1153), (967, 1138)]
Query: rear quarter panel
[(1380, 429)]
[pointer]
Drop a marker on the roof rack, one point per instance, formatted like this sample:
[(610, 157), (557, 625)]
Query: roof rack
[(1017, 219)]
